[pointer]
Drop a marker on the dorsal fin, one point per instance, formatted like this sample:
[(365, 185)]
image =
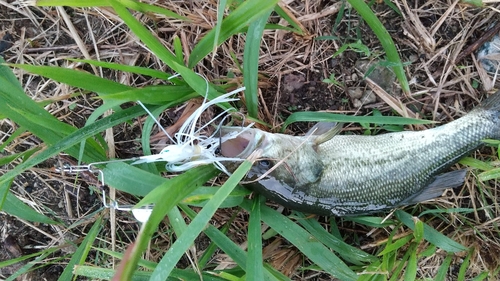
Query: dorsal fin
[(324, 131)]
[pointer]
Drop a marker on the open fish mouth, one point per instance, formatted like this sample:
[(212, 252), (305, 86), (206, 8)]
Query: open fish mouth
[(242, 145)]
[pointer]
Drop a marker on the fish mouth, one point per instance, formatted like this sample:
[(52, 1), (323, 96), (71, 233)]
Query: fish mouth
[(238, 142)]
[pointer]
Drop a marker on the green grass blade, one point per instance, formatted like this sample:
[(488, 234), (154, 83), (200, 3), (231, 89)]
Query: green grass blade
[(280, 27), (136, 181), (99, 273), (308, 116), (13, 136), (127, 68), (45, 252), (232, 250), (476, 163), (160, 94), (4, 191), (430, 234), (31, 116), (371, 221), (49, 128), (199, 84), (71, 3), (296, 27), (464, 266), (21, 155), (438, 211), (210, 251), (180, 246), (136, 5), (170, 193), (144, 34), (147, 131), (385, 39), (254, 269), (370, 273), (144, 263), (251, 63), (38, 260), (15, 207), (76, 78), (196, 82), (202, 195), (398, 272), (393, 246), (489, 175), (148, 8), (484, 275), (411, 268), (393, 7), (305, 242), (131, 179), (221, 7), (10, 81), (348, 252), (153, 196), (83, 250), (223, 242), (176, 221), (246, 13), (67, 142)]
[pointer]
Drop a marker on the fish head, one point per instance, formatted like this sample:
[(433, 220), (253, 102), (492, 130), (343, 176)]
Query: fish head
[(290, 159)]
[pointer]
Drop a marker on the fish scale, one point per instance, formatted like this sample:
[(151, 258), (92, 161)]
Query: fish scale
[(351, 174)]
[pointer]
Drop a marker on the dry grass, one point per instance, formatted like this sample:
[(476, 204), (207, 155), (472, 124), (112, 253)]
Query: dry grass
[(438, 38)]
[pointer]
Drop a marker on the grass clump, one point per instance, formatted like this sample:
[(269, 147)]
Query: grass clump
[(196, 230)]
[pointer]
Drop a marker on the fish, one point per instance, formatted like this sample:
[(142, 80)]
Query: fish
[(327, 173)]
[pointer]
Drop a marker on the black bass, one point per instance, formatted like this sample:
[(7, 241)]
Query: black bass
[(341, 175)]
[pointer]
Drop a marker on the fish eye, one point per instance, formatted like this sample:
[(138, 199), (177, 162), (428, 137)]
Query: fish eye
[(217, 150), (265, 163)]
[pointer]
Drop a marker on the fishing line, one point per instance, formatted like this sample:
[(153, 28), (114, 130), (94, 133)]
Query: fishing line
[(152, 116), (155, 120)]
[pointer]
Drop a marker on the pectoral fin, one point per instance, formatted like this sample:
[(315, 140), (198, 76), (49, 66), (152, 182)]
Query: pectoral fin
[(436, 188)]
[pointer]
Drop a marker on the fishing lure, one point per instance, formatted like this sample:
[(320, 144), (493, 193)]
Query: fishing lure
[(190, 148), (141, 214), (193, 148)]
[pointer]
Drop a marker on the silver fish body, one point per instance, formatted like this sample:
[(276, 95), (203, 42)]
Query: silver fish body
[(351, 174)]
